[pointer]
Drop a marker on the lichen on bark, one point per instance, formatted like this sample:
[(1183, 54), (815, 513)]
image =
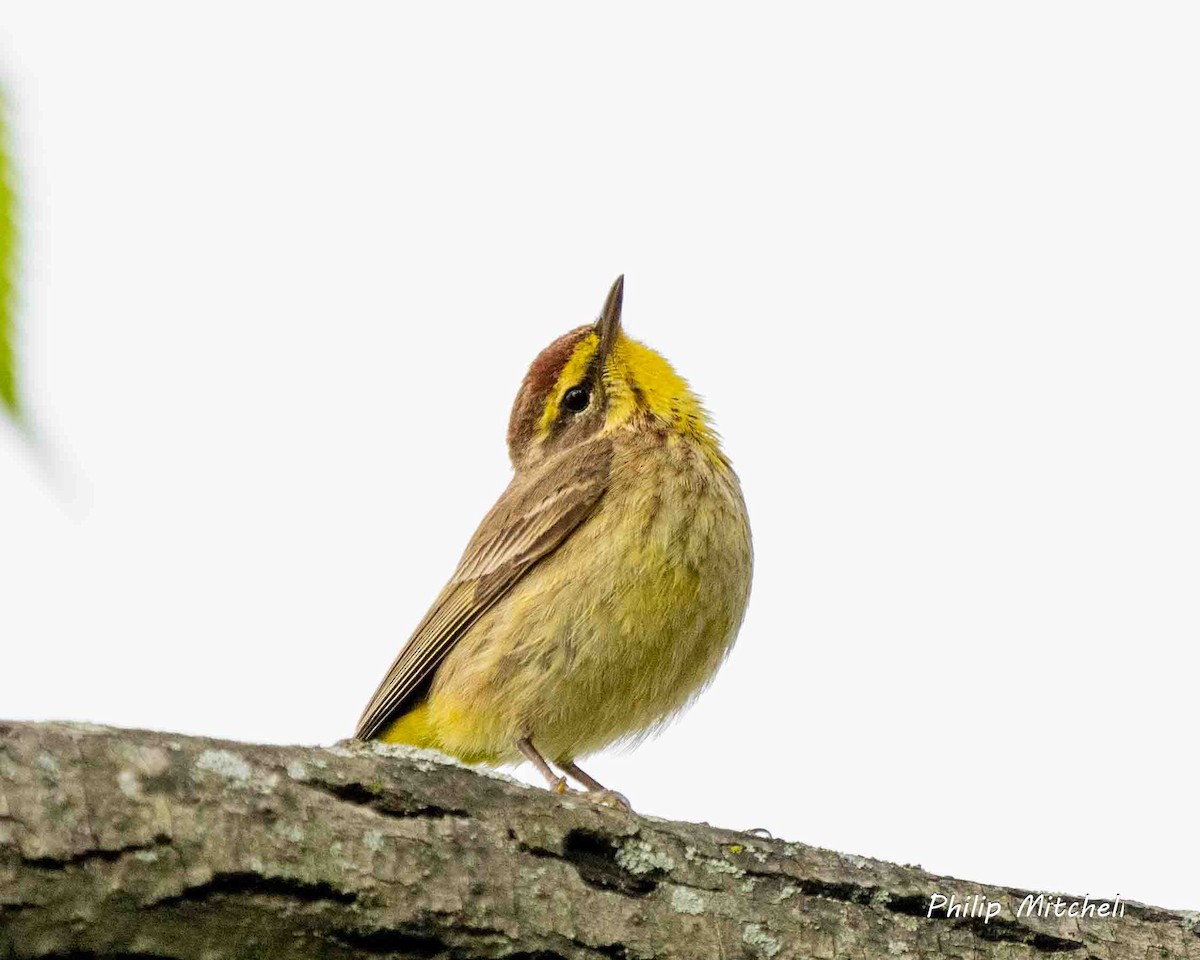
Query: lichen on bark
[(133, 844)]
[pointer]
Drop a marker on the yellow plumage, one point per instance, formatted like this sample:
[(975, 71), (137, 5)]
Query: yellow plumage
[(628, 614)]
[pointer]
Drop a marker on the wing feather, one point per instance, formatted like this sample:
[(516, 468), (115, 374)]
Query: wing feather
[(532, 518)]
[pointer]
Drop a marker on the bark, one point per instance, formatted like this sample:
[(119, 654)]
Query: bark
[(130, 844)]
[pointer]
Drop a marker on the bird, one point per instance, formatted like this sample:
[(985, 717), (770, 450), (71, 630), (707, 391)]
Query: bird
[(603, 590)]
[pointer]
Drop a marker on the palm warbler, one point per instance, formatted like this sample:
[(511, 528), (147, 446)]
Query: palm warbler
[(605, 586)]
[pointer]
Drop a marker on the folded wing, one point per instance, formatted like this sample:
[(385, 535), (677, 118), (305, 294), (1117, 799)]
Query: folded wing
[(534, 516)]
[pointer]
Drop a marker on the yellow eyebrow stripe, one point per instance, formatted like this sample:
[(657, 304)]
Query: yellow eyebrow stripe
[(572, 372)]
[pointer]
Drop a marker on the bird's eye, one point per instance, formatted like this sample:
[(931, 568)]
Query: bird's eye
[(577, 399)]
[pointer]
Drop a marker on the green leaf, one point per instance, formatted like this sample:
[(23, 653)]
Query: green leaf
[(9, 397)]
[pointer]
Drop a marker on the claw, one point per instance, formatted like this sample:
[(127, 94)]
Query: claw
[(610, 798)]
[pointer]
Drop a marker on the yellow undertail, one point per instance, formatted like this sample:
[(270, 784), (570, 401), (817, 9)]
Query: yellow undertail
[(418, 729)]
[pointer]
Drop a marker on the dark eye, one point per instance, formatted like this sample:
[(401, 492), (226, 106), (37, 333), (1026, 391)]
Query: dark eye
[(577, 398)]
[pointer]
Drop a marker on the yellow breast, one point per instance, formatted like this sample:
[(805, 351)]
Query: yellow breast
[(617, 630)]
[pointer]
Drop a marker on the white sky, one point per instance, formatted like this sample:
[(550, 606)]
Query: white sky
[(932, 266)]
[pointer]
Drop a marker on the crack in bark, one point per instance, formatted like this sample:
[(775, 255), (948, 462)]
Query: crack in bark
[(388, 942), (996, 930), (388, 804), (243, 882), (14, 908), (422, 940), (845, 892), (594, 857), (104, 955), (1008, 931), (97, 854)]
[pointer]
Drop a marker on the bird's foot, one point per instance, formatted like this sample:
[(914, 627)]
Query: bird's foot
[(610, 798), (560, 787)]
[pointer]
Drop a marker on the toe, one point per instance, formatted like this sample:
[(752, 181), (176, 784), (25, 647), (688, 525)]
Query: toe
[(610, 798)]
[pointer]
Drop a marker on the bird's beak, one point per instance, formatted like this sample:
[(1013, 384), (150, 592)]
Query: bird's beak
[(609, 324)]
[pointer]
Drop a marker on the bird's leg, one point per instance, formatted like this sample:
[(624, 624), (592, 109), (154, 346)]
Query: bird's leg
[(598, 791), (556, 783)]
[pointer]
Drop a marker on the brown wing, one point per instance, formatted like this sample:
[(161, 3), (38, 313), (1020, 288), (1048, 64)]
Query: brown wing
[(529, 521)]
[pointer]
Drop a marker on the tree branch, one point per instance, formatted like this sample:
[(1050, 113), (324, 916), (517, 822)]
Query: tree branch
[(130, 844)]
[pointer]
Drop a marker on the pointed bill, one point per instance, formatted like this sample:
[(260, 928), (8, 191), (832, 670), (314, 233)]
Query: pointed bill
[(609, 324)]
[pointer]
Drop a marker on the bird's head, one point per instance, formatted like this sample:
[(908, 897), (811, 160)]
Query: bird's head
[(595, 380)]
